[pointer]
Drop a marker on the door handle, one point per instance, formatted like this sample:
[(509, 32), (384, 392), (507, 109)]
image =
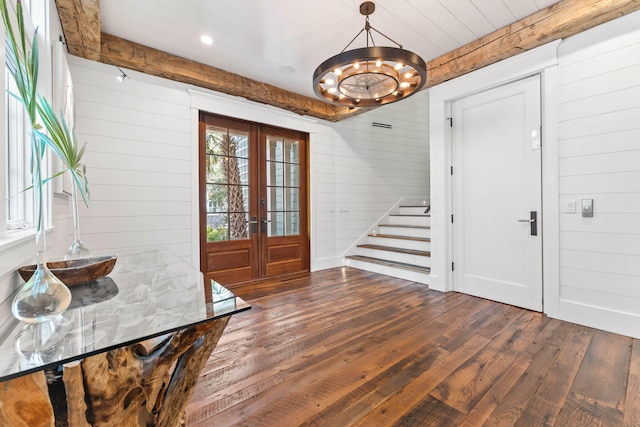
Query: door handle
[(254, 224), (264, 221), (533, 220)]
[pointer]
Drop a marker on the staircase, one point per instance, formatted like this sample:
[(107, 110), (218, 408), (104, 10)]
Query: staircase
[(399, 247)]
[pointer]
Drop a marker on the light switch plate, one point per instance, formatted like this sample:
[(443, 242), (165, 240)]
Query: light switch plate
[(571, 206), (587, 208)]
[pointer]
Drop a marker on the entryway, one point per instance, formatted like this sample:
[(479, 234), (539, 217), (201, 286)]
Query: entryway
[(253, 200), (497, 194)]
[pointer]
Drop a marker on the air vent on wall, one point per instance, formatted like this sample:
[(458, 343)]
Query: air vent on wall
[(381, 125)]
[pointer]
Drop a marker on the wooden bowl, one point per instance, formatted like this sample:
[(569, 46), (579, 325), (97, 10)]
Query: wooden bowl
[(76, 271)]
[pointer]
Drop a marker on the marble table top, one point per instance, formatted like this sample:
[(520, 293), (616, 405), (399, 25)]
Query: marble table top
[(148, 294)]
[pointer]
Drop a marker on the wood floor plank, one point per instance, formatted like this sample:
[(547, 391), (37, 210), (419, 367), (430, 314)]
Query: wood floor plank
[(341, 370), (544, 352), (367, 397), (580, 411), (632, 403), (468, 384), (430, 412), (322, 340), (604, 403), (497, 393), (393, 334), (339, 336), (606, 353), (546, 403), (394, 408), (344, 347), (360, 402)]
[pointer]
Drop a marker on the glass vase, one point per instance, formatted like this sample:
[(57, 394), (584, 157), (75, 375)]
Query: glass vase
[(77, 250), (43, 296)]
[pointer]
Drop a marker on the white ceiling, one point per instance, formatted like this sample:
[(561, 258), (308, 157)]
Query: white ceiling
[(281, 42)]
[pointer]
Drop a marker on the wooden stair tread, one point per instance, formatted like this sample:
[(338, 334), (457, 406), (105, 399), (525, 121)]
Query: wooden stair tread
[(395, 236), (421, 227), (412, 215), (414, 206), (399, 250), (401, 265)]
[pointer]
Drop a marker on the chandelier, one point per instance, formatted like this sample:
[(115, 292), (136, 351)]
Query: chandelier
[(372, 75)]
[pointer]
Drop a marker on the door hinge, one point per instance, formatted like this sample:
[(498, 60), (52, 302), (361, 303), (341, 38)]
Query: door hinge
[(452, 267), (450, 121), (451, 218), (451, 170)]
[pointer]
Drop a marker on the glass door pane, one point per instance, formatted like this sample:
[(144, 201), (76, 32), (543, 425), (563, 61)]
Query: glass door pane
[(283, 186), (227, 183)]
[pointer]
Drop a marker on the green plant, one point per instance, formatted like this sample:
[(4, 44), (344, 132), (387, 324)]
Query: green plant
[(216, 234), (43, 296), (58, 137)]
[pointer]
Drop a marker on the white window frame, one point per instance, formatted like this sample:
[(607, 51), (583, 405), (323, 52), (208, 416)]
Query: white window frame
[(23, 201)]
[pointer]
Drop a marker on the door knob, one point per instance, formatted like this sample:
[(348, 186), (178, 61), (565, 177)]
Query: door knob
[(527, 220)]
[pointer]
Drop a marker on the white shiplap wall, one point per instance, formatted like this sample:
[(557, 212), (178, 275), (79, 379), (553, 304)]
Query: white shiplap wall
[(142, 146), (599, 159), (138, 163), (361, 171), (591, 150)]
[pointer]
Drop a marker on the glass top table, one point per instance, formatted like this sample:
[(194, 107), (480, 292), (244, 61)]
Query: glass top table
[(148, 294)]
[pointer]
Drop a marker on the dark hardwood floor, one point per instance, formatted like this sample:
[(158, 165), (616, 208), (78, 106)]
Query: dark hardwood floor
[(346, 347)]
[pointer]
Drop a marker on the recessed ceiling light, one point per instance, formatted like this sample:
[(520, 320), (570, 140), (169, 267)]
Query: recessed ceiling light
[(287, 69), (206, 40)]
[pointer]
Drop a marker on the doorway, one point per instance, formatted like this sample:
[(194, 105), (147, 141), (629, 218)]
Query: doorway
[(253, 200), (497, 200)]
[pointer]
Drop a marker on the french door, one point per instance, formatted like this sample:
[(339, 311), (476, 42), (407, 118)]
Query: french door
[(253, 200)]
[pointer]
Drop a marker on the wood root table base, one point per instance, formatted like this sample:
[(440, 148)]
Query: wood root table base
[(143, 384)]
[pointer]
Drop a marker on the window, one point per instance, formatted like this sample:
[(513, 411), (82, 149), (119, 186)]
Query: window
[(19, 205), (16, 212)]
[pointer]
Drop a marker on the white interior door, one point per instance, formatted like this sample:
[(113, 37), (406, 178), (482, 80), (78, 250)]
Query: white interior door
[(497, 192)]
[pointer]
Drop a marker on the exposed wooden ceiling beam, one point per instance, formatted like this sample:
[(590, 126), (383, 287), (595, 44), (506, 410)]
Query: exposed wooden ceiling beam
[(127, 54), (561, 20), (81, 26)]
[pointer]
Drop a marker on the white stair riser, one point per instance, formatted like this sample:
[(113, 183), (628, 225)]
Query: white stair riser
[(423, 221), (412, 210), (400, 243), (402, 231), (422, 261), (414, 276)]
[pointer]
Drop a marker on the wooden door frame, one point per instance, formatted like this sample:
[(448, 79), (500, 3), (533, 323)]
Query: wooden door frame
[(255, 135), (304, 196), (218, 120)]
